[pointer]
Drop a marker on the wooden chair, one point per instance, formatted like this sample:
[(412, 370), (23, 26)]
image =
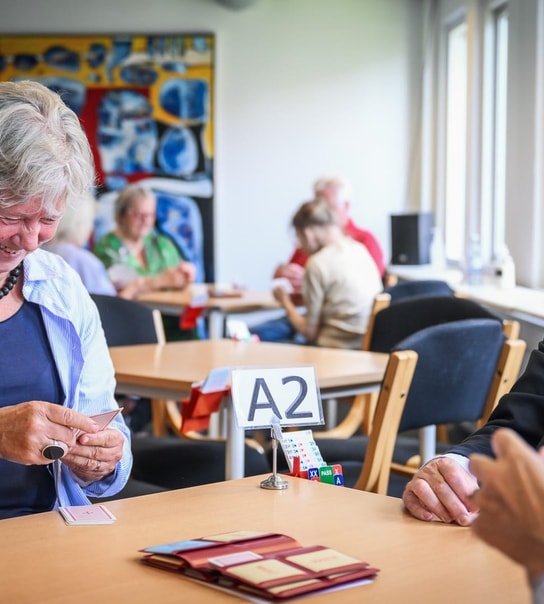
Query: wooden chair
[(393, 322), (363, 406), (486, 365), (410, 315), (459, 376), (381, 301), (506, 373), (374, 474), (376, 469)]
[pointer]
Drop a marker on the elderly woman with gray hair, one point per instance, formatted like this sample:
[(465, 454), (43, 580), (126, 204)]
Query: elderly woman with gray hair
[(57, 371)]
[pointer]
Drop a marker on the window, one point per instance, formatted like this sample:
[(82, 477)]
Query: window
[(494, 130), (455, 142), (483, 147)]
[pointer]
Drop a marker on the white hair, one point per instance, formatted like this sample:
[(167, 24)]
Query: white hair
[(44, 152), (342, 186)]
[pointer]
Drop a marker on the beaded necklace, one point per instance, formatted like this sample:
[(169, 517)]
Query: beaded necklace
[(10, 281)]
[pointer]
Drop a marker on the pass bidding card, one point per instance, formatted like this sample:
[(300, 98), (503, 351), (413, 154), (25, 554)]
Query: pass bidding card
[(87, 514)]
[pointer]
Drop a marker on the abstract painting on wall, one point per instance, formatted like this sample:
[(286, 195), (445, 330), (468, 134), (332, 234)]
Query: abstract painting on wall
[(146, 104)]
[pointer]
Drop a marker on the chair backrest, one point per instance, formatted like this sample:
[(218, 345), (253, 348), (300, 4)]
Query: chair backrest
[(399, 320), (127, 322), (457, 363), (381, 301), (506, 374), (418, 289), (376, 469)]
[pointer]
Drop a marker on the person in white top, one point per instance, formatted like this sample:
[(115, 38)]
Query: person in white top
[(340, 281)]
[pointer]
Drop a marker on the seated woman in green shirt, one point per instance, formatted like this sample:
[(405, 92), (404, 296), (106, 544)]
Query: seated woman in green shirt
[(138, 258)]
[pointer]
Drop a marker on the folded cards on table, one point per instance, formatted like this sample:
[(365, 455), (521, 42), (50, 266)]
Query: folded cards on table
[(269, 565)]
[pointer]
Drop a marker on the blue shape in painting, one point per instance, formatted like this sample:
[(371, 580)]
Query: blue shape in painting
[(63, 58), (96, 55), (200, 44), (173, 66), (24, 62), (178, 152), (127, 135), (185, 99), (178, 217), (120, 51), (167, 52), (139, 75)]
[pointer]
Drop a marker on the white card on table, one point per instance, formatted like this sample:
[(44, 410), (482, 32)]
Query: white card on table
[(87, 514)]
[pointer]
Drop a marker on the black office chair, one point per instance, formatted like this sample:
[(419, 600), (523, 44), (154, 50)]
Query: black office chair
[(133, 488), (418, 289), (405, 317), (127, 322), (390, 323), (172, 463), (458, 375)]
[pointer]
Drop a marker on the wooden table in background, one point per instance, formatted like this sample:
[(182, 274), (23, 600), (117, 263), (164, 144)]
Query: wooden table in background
[(48, 562), (168, 370), (217, 307)]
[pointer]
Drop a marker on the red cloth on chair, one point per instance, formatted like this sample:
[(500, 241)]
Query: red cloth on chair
[(189, 317), (196, 410)]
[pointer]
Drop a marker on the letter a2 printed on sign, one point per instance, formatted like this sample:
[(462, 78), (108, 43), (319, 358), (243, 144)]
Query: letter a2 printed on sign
[(288, 393)]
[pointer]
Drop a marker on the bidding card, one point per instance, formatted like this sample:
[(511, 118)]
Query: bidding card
[(282, 282), (87, 514), (301, 444), (102, 419)]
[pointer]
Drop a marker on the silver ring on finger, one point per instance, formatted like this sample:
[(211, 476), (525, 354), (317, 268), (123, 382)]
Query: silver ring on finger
[(98, 465), (55, 450)]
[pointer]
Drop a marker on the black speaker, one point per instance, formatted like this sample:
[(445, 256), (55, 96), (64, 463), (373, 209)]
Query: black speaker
[(411, 236)]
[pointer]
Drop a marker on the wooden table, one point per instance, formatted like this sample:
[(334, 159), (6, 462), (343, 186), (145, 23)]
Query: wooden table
[(168, 370), (217, 308), (47, 562)]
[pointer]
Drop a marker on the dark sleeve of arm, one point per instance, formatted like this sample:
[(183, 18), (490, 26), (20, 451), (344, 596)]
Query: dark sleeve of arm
[(522, 410)]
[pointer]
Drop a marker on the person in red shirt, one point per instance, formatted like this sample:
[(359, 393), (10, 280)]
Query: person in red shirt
[(337, 192)]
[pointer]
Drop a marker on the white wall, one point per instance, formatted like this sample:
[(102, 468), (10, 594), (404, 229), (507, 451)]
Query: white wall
[(303, 87)]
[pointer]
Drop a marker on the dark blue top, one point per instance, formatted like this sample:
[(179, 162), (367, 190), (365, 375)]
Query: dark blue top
[(27, 373)]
